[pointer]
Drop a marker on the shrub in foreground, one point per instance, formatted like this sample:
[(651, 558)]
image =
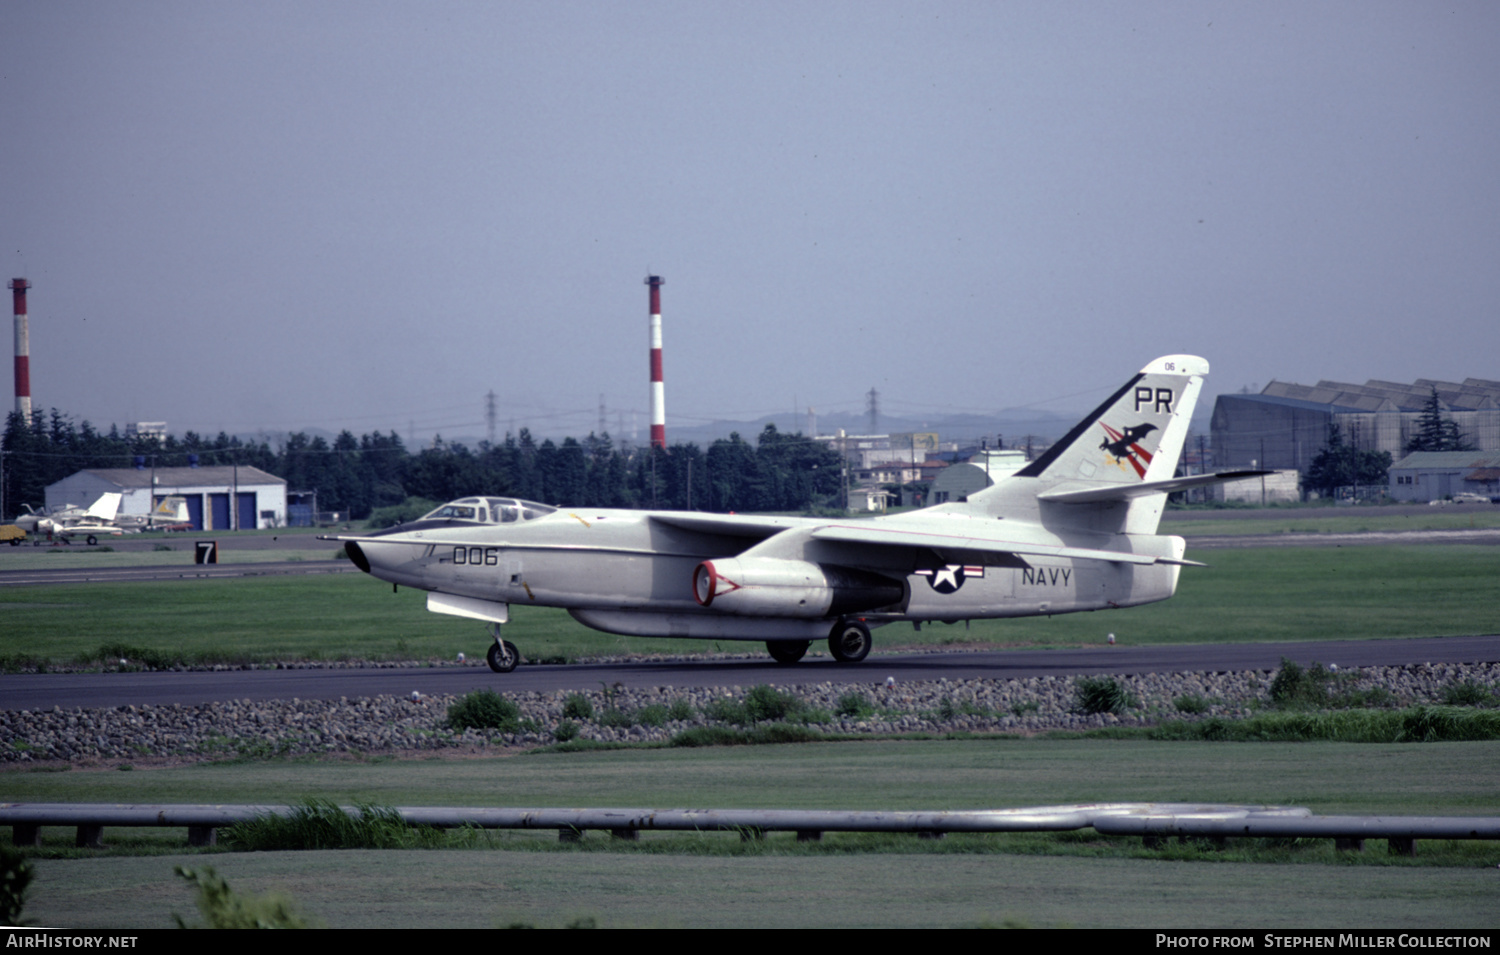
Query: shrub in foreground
[(1294, 687), (1468, 693), (856, 705), (15, 876), (764, 703), (322, 824), (222, 907), (1102, 694), (484, 710), (1418, 724), (1191, 703), (759, 735)]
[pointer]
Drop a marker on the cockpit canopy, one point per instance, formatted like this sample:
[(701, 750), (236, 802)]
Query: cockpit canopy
[(489, 510)]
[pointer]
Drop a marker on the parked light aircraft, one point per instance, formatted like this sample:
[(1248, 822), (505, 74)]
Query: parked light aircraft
[(73, 520), (1073, 530), (103, 518)]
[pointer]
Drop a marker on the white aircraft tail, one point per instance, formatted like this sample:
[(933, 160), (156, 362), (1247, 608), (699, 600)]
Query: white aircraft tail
[(106, 507), (1113, 471), (172, 508)]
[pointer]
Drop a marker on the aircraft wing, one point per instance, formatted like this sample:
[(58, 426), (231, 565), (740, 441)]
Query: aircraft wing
[(731, 525), (965, 538), (934, 535), (1121, 492)]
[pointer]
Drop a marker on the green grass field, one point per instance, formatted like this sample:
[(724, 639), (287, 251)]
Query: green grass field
[(389, 889), (1337, 520), (1442, 778), (1258, 594), (714, 880)]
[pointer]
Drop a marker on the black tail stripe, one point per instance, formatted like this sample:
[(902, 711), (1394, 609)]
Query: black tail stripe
[(1035, 468)]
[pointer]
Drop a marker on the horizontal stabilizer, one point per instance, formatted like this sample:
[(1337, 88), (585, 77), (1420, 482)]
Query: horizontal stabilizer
[(1180, 562), (1122, 492)]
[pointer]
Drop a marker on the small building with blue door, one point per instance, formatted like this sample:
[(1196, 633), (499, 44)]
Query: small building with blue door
[(219, 498)]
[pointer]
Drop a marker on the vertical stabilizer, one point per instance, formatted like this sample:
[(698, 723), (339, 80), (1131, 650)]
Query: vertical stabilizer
[(1138, 431), (106, 507), (1135, 438)]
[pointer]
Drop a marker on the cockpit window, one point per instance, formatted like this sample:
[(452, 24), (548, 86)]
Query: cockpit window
[(458, 512), (492, 510), (503, 511)]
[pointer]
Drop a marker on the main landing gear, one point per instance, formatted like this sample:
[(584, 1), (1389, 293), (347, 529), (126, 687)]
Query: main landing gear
[(503, 655), (850, 641), (787, 651)]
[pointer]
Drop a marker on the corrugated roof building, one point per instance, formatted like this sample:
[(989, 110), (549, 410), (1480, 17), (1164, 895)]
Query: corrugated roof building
[(1286, 425)]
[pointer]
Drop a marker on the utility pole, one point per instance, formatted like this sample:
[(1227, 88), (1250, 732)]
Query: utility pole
[(844, 474), (1263, 477)]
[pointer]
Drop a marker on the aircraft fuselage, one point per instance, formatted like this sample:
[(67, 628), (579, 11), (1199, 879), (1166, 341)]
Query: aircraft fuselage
[(626, 572)]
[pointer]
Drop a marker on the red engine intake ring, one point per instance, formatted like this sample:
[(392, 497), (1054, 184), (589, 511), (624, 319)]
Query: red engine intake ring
[(708, 583)]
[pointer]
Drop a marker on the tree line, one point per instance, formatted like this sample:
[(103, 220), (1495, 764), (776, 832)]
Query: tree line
[(780, 472)]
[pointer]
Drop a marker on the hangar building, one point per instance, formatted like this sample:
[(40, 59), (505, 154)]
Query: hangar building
[(259, 498), (1286, 425)]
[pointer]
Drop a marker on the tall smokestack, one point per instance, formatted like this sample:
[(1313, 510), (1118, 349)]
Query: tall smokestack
[(23, 348), (658, 393)]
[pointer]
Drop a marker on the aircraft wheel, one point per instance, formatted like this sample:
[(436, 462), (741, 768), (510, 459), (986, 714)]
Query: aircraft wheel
[(850, 641), (93, 541), (787, 651), (503, 656)]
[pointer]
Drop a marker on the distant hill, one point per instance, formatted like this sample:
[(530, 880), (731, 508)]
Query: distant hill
[(1013, 424)]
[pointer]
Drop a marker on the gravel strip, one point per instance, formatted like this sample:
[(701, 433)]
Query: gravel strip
[(388, 724)]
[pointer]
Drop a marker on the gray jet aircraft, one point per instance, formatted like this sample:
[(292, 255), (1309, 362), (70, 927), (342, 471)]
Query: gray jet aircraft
[(1073, 530)]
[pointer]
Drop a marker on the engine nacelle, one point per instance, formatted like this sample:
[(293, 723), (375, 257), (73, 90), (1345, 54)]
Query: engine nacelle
[(772, 587)]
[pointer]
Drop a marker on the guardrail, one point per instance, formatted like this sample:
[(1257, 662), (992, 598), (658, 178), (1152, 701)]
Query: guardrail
[(1153, 822)]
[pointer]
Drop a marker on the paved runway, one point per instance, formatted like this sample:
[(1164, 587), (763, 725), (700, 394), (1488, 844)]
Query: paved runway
[(105, 575), (38, 691)]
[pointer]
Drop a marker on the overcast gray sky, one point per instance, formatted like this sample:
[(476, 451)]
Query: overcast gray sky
[(366, 215)]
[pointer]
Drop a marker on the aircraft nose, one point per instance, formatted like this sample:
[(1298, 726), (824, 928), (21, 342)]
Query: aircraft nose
[(357, 554)]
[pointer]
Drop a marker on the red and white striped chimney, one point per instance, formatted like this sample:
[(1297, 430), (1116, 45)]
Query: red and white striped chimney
[(658, 392), (23, 348)]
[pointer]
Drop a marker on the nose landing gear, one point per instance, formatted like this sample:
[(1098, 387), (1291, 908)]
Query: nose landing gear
[(503, 655)]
